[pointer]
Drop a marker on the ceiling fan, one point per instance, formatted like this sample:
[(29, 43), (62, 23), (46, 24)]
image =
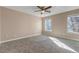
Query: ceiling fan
[(43, 9)]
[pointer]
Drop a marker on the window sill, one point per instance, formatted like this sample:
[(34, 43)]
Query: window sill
[(48, 31)]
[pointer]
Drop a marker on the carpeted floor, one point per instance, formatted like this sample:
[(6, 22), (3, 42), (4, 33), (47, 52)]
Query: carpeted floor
[(40, 44)]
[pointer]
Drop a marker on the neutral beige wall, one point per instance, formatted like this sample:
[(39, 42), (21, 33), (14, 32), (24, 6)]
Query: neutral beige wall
[(0, 24), (17, 24), (59, 27)]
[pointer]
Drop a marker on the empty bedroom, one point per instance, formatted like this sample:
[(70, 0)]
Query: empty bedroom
[(39, 29)]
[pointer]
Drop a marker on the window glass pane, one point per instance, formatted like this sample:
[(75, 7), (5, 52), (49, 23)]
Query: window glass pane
[(73, 24), (69, 25), (48, 25)]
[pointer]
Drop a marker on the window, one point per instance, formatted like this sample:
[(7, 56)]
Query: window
[(73, 24), (48, 25)]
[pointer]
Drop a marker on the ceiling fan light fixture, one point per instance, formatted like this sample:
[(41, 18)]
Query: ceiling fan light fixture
[(43, 11)]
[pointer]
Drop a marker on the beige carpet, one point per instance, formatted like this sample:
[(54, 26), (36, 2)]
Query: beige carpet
[(38, 44)]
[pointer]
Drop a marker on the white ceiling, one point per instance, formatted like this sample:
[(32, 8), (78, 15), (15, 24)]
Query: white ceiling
[(31, 9)]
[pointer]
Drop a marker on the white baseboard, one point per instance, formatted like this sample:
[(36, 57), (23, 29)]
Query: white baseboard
[(71, 38), (65, 37), (20, 38)]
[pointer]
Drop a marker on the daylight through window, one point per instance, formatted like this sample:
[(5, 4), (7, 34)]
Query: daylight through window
[(73, 24), (48, 25)]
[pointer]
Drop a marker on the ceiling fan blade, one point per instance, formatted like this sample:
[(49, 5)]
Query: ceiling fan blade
[(48, 7), (48, 11), (40, 7), (37, 11), (43, 9)]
